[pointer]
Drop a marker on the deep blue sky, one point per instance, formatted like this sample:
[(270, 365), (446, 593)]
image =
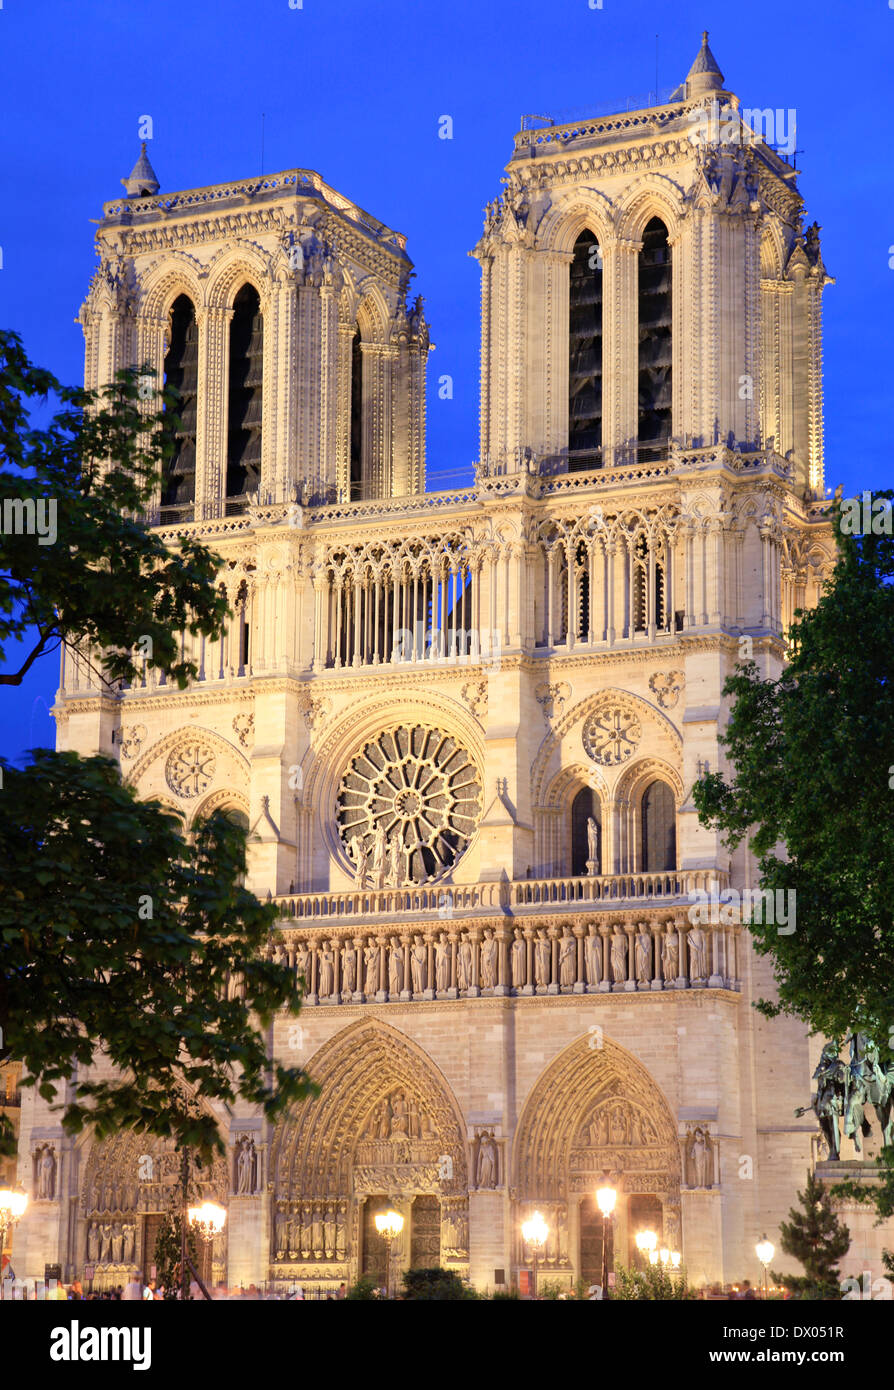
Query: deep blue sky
[(354, 89)]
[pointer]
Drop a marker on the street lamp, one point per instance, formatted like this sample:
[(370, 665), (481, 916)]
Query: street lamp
[(389, 1225), (13, 1202), (605, 1200), (534, 1233), (765, 1250), (208, 1220)]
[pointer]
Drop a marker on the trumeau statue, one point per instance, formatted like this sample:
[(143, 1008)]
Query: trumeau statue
[(486, 1175)]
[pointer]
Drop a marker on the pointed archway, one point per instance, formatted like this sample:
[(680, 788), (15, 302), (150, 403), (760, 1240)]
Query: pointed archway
[(384, 1127), (596, 1115)]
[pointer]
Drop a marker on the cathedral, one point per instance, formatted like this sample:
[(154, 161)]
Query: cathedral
[(462, 727)]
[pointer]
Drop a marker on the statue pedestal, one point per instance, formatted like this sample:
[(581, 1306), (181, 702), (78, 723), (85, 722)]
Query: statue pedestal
[(703, 1235), (592, 868)]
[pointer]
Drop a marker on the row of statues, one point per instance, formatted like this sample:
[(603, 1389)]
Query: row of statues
[(845, 1090), (386, 863), (311, 1230), (449, 965), (111, 1242), (620, 1126)]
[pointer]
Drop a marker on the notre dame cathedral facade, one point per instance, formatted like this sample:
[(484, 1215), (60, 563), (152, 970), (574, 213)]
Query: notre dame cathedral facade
[(463, 727)]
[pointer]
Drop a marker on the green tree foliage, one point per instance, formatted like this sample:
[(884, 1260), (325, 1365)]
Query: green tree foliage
[(116, 935), (817, 1239), (812, 757), (107, 585)]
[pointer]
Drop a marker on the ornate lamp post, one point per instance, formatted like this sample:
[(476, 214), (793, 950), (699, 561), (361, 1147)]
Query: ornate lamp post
[(13, 1202), (765, 1250), (534, 1233), (605, 1200), (207, 1221), (389, 1225)]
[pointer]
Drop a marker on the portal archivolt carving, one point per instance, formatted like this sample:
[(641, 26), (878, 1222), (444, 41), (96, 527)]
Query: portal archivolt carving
[(596, 1110), (384, 1121)]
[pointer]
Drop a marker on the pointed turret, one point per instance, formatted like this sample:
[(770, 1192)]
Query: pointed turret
[(141, 182), (704, 75)]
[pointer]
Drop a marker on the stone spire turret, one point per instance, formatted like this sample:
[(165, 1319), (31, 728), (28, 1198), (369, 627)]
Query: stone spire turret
[(704, 75), (141, 181)]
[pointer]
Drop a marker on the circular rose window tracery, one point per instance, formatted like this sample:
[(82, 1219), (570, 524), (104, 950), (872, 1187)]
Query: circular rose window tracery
[(419, 784), (611, 735), (190, 769)]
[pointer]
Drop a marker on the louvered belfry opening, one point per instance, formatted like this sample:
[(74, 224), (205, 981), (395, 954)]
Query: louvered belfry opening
[(246, 386), (585, 356), (655, 327), (659, 829), (181, 375), (356, 418)]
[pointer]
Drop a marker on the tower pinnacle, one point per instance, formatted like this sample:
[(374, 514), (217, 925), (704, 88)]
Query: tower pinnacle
[(141, 180)]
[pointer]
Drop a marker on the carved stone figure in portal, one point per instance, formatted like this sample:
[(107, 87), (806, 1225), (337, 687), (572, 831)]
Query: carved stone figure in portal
[(46, 1173), (700, 1159), (487, 1161), (246, 1166)]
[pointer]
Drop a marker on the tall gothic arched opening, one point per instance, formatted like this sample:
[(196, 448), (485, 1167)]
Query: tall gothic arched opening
[(585, 355), (655, 341), (181, 375), (356, 442), (245, 394), (659, 829)]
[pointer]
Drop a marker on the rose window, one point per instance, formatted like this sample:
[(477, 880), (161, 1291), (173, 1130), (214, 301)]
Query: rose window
[(611, 735), (418, 784), (190, 769)]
